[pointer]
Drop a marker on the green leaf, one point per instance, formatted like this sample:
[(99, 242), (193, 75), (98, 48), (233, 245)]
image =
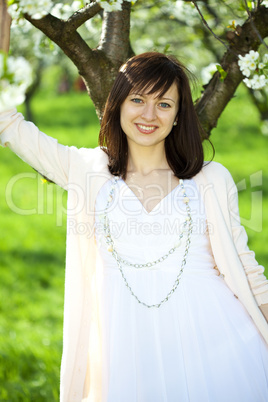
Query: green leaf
[(166, 48), (10, 2), (222, 72)]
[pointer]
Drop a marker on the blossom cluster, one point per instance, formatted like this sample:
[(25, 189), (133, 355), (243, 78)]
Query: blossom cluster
[(254, 69), (34, 8), (39, 9), (15, 78)]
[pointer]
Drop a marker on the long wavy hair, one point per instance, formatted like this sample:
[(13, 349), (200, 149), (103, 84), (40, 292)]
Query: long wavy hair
[(154, 73)]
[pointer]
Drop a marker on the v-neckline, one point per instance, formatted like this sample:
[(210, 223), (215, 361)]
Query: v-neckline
[(157, 205)]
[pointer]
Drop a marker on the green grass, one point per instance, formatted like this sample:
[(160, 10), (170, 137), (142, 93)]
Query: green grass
[(32, 247), (32, 257), (242, 148)]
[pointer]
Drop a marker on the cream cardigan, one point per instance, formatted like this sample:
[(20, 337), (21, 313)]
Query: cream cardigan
[(83, 172)]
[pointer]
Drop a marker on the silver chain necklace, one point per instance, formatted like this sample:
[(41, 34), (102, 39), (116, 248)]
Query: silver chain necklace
[(111, 247)]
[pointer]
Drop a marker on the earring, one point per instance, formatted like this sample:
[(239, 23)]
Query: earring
[(175, 123)]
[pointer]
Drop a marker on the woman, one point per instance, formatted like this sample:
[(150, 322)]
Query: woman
[(162, 294)]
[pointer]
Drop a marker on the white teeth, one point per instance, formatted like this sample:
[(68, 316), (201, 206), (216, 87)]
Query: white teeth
[(146, 128)]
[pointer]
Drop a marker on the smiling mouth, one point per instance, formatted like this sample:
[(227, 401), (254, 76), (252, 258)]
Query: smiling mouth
[(146, 129)]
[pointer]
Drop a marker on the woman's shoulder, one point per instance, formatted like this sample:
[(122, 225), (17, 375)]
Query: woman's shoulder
[(216, 173), (215, 169)]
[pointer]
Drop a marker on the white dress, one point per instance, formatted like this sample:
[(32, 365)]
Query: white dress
[(199, 346)]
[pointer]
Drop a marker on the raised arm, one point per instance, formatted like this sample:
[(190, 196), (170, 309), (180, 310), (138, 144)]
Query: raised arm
[(40, 151), (43, 153)]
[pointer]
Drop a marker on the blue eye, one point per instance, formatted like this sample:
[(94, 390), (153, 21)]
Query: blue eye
[(136, 100), (164, 105)]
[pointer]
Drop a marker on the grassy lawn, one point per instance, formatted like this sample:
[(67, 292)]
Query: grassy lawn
[(242, 148), (32, 257), (32, 235)]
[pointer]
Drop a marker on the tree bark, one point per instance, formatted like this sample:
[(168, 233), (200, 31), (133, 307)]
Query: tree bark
[(5, 22), (218, 93)]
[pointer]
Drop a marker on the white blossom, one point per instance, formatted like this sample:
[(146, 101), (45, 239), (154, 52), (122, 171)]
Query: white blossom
[(39, 9), (76, 5), (57, 11), (36, 9), (11, 96), (265, 58), (252, 55), (258, 81), (14, 12), (64, 11), (250, 66), (246, 72), (245, 63), (21, 70), (207, 73), (265, 3), (113, 5), (248, 82), (15, 77), (182, 11)]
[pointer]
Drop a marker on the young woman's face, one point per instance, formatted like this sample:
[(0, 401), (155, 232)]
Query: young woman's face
[(147, 119)]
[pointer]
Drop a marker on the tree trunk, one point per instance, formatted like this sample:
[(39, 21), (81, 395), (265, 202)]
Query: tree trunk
[(5, 22)]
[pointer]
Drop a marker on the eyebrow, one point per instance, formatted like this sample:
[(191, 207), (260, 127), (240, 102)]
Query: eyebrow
[(168, 99), (161, 98)]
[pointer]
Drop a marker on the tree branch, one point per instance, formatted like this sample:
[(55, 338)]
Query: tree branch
[(81, 16), (92, 65), (71, 43), (218, 93)]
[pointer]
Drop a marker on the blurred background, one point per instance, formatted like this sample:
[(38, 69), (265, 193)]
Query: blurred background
[(32, 211)]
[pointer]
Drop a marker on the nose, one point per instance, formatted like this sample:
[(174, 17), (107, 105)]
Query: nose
[(149, 112)]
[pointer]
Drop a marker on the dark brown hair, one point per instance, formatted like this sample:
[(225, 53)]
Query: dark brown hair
[(154, 72)]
